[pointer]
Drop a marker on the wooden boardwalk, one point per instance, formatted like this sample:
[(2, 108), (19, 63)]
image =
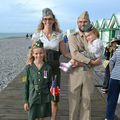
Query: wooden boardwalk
[(11, 103)]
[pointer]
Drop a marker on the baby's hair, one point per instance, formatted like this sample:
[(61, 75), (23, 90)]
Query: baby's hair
[(95, 31)]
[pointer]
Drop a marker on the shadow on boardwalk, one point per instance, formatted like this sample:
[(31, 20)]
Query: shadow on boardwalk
[(11, 103)]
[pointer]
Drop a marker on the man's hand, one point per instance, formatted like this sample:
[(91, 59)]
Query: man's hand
[(97, 61), (78, 64)]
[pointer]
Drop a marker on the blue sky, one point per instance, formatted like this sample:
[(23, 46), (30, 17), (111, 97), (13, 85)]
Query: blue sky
[(24, 15)]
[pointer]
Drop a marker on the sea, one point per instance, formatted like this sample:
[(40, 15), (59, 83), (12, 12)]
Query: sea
[(11, 35)]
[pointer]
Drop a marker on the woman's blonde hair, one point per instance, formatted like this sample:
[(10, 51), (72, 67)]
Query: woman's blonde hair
[(30, 58), (55, 26)]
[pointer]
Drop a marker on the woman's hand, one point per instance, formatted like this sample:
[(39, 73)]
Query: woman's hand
[(26, 107)]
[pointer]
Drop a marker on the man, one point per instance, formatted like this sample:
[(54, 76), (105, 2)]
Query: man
[(81, 78)]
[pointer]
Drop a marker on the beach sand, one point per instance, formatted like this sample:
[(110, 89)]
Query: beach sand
[(13, 54)]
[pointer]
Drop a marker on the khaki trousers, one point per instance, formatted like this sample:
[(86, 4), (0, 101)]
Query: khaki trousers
[(80, 90)]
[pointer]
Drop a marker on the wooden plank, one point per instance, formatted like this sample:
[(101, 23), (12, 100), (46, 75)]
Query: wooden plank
[(11, 103)]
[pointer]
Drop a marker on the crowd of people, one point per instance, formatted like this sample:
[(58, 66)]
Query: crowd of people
[(42, 72)]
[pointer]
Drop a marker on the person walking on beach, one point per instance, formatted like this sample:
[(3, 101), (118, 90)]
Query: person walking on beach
[(114, 85), (37, 80), (81, 80), (95, 47), (50, 34), (27, 36)]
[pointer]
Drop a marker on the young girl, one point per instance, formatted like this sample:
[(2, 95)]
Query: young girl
[(37, 84), (95, 47)]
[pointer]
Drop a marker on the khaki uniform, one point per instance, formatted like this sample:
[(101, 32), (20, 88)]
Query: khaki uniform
[(81, 81)]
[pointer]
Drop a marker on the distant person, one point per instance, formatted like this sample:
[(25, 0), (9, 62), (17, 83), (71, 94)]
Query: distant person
[(51, 36), (27, 36), (95, 47), (30, 35), (114, 85), (109, 50), (37, 80)]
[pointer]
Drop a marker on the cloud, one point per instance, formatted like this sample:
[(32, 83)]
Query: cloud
[(24, 13), (34, 5)]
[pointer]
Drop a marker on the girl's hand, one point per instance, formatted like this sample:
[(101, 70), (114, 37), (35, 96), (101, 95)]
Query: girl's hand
[(26, 107)]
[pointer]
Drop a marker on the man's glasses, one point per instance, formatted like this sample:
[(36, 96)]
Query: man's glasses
[(49, 19)]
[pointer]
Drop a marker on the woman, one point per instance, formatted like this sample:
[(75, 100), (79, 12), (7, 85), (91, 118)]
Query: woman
[(50, 34)]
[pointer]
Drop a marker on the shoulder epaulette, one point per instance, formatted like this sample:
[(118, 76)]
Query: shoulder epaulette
[(75, 33)]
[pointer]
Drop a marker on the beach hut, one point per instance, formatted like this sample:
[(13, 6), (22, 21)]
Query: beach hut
[(97, 24), (114, 26), (109, 28), (105, 31)]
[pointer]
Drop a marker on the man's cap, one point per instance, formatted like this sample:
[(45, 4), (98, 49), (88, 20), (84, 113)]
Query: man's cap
[(47, 12), (38, 44), (84, 15)]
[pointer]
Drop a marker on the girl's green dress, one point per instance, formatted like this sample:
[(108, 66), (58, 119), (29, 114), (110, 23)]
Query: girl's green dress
[(37, 91)]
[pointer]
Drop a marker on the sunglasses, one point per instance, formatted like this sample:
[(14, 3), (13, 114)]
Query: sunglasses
[(49, 19)]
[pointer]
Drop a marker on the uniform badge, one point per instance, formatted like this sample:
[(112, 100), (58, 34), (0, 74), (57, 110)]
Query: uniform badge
[(24, 78), (45, 73)]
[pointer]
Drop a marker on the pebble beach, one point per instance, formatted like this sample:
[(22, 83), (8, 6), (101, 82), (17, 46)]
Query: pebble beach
[(13, 55)]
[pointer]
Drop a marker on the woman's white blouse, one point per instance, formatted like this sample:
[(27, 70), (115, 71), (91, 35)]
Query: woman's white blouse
[(53, 43)]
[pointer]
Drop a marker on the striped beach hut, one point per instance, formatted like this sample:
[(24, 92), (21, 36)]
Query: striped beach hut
[(109, 28)]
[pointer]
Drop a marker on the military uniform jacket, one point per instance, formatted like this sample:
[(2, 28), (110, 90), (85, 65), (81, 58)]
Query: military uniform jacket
[(77, 45), (37, 84), (82, 75)]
